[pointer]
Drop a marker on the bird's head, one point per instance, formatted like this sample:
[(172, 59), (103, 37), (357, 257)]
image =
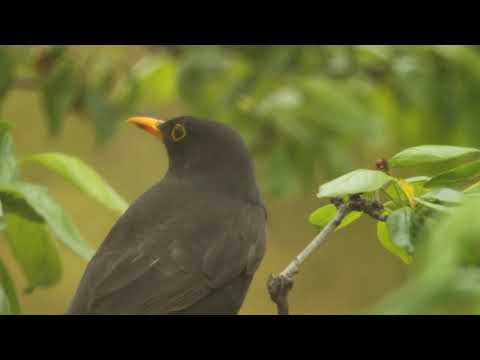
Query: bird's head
[(210, 154)]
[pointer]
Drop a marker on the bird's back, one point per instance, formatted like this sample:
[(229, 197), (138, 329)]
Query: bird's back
[(176, 250)]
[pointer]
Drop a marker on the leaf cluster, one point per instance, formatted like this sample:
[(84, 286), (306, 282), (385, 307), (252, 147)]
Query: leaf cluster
[(32, 220)]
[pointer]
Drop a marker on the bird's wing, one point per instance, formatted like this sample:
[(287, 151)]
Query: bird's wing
[(176, 264)]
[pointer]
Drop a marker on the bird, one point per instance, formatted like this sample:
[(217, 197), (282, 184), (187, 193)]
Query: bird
[(192, 243)]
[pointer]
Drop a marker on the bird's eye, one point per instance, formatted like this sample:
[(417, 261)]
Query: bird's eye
[(178, 132)]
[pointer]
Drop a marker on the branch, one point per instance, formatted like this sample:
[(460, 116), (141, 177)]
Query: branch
[(280, 285), (293, 268)]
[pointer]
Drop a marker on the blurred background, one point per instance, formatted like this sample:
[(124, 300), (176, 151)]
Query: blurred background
[(308, 114)]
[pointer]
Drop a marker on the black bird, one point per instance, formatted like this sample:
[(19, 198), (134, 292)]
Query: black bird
[(192, 243)]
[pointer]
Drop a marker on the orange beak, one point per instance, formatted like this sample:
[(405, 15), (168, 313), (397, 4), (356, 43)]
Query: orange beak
[(149, 124)]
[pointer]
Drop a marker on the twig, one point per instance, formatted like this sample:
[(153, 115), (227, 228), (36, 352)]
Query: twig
[(293, 268), (280, 285), (278, 288), (372, 208)]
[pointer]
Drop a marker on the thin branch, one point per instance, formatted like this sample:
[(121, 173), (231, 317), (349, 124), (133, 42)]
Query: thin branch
[(278, 288), (280, 285), (372, 208), (293, 268)]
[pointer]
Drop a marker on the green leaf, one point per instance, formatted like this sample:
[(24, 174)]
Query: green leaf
[(385, 239), (473, 191), (322, 216), (83, 177), (33, 248), (9, 301), (7, 72), (396, 194), (458, 175), (40, 201), (355, 182), (475, 188), (8, 164), (408, 190), (418, 179), (58, 95), (437, 207), (429, 154), (444, 195), (418, 183), (399, 223)]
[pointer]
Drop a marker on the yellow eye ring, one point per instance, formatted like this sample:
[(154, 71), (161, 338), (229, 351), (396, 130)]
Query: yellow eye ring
[(178, 132)]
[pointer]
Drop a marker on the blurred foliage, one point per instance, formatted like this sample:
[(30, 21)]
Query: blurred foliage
[(305, 111), (447, 279), (29, 215)]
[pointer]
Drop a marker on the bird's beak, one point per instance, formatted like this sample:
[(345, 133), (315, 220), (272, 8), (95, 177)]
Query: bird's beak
[(149, 124)]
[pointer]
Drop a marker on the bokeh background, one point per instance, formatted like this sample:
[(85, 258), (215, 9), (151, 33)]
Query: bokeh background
[(308, 113)]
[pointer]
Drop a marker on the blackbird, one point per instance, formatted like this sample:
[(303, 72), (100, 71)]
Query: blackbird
[(190, 244)]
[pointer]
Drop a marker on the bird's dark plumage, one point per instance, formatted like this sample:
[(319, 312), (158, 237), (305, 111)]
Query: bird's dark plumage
[(192, 243)]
